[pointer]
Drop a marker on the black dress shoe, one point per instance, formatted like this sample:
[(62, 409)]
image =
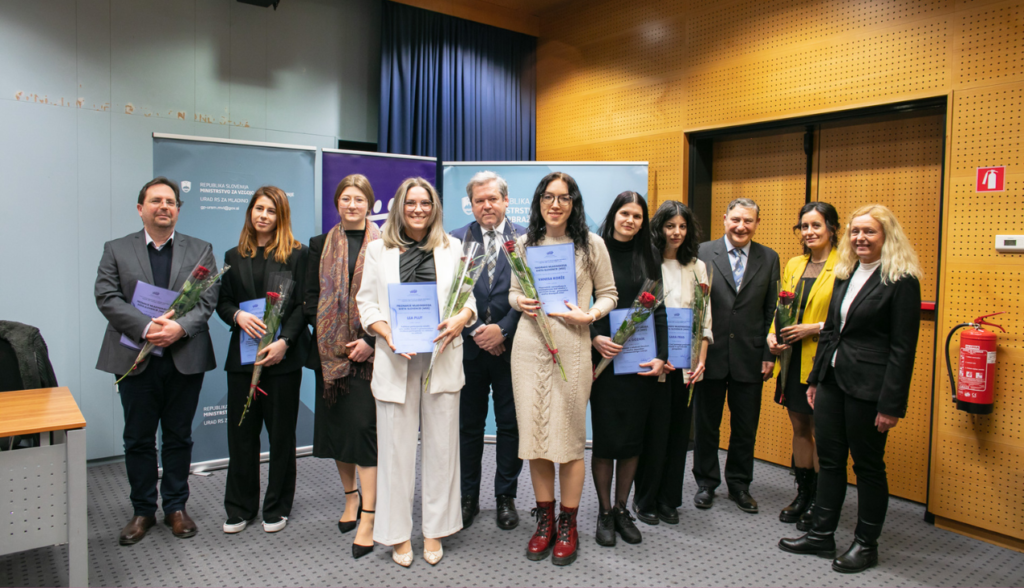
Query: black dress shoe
[(605, 528), (508, 517), (624, 525), (860, 556), (667, 514), (470, 508), (811, 544), (648, 517), (744, 500), (346, 526), (704, 497)]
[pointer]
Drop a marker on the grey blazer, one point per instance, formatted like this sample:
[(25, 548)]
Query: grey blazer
[(125, 261)]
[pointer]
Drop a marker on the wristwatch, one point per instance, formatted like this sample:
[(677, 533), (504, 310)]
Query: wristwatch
[(504, 333), (287, 343)]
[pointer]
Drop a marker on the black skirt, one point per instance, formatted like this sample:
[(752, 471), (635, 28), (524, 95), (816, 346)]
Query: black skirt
[(794, 397), (346, 431), (619, 409)]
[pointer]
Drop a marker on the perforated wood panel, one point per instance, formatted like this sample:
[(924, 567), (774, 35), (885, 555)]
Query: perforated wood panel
[(978, 463), (856, 70), (990, 47), (772, 171)]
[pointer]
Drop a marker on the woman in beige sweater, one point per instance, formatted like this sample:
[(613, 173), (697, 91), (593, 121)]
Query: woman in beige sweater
[(552, 413)]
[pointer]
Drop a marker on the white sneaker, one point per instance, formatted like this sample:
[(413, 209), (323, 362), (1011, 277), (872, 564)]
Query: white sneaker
[(275, 527), (235, 525)]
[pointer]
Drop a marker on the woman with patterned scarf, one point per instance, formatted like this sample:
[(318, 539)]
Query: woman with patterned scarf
[(345, 425)]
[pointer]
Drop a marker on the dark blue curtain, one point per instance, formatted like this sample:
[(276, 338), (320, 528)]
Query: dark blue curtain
[(455, 89)]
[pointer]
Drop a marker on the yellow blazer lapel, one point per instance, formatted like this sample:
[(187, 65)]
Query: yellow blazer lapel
[(825, 275)]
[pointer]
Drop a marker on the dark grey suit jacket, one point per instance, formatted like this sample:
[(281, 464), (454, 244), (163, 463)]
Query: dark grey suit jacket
[(740, 320), (124, 263)]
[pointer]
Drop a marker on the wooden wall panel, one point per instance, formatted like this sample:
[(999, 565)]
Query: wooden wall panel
[(740, 61)]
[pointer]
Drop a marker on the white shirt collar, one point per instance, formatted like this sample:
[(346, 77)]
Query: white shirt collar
[(150, 240), (729, 246), (500, 229)]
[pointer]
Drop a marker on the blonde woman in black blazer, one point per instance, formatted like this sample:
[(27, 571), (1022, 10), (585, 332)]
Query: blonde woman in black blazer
[(266, 247), (860, 381)]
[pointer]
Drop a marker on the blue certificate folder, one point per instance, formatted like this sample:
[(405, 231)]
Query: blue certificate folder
[(642, 347), (248, 345), (680, 336), (554, 273), (153, 302), (414, 316)]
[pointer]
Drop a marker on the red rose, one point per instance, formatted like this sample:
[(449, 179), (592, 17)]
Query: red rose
[(510, 246), (647, 299), (705, 289), (200, 273), (786, 297), (273, 297)]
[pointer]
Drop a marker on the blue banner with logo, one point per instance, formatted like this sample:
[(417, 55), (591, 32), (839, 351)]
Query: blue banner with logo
[(218, 178), (385, 171), (599, 182)]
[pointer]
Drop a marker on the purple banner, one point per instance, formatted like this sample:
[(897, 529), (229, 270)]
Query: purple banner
[(386, 173)]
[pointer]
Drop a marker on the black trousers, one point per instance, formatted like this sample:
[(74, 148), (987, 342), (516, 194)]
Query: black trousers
[(159, 396), (709, 397), (484, 374), (279, 411), (662, 467), (844, 425)]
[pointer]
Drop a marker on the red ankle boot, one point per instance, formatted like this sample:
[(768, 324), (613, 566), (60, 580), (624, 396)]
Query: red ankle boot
[(566, 539), (543, 537)]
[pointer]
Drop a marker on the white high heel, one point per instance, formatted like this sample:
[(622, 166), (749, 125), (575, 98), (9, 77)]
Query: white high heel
[(402, 559), (433, 557)]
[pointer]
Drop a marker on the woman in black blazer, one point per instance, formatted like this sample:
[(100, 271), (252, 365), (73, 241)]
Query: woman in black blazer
[(860, 381), (265, 249)]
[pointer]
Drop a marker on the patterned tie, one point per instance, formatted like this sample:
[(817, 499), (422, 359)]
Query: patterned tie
[(737, 270), (491, 261)]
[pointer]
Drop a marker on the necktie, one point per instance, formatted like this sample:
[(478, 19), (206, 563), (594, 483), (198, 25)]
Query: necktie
[(491, 262), (737, 270)]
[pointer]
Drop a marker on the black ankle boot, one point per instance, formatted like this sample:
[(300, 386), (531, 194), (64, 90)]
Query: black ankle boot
[(861, 555), (806, 484), (820, 540), (624, 525), (804, 524), (605, 528)]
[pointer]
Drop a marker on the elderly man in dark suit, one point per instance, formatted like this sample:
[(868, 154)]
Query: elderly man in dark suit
[(743, 295), (164, 390), (487, 353)]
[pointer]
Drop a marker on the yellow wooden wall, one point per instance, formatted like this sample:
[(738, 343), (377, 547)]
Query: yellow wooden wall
[(626, 80)]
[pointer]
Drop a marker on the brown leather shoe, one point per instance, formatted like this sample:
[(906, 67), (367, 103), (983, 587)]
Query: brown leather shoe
[(181, 524), (135, 530)]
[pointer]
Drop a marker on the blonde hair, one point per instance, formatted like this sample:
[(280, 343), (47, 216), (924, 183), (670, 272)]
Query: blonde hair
[(898, 257), (283, 242), (393, 226)]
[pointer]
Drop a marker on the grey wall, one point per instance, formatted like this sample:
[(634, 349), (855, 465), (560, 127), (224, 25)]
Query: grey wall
[(84, 84)]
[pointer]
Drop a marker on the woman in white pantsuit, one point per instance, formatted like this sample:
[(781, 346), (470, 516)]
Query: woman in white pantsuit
[(415, 248)]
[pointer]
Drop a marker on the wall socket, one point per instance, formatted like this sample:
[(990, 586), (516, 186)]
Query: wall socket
[(1010, 243)]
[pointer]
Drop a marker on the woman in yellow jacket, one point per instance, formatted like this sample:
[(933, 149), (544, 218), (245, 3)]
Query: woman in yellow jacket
[(819, 227)]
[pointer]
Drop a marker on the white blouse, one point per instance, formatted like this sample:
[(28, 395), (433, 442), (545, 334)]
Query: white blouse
[(857, 281), (679, 281)]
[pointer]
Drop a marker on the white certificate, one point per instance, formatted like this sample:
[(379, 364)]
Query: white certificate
[(414, 316), (554, 273)]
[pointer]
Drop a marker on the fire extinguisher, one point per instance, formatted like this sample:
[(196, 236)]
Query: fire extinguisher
[(977, 372)]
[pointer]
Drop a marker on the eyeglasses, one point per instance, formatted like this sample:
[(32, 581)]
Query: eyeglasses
[(549, 198), (427, 205), (346, 200)]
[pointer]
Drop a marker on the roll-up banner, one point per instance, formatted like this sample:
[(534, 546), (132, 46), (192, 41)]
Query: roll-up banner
[(599, 182), (217, 179), (385, 171)]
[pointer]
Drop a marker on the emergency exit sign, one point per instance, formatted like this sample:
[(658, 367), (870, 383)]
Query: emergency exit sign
[(991, 179)]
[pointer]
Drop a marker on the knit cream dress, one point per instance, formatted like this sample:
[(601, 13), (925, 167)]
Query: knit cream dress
[(552, 413)]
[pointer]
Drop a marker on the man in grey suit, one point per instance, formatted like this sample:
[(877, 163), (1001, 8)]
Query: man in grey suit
[(164, 390), (743, 294)]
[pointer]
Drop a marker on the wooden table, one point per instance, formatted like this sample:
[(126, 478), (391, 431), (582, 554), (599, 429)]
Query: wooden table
[(43, 489)]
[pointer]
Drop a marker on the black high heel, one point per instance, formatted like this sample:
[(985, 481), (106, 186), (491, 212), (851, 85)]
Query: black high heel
[(359, 551), (346, 526)]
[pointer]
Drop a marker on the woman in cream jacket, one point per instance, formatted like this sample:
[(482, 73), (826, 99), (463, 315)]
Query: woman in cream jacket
[(415, 248)]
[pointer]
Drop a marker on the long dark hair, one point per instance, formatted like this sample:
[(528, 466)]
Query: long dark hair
[(687, 251), (828, 212), (644, 264), (576, 228)]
